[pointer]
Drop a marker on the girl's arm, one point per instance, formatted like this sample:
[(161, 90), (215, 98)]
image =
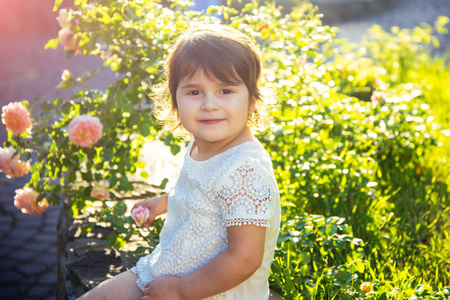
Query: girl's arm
[(156, 205), (228, 269)]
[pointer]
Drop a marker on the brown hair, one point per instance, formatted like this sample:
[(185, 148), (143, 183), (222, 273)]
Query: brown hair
[(220, 52)]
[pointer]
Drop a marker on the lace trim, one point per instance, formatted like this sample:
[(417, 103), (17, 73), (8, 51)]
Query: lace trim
[(245, 196), (219, 296), (139, 282), (242, 221)]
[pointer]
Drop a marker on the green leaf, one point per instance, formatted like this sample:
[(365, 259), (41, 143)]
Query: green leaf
[(120, 208), (52, 44), (119, 243), (174, 149), (283, 238), (25, 156), (144, 129), (111, 239), (163, 184), (359, 266), (107, 155), (87, 176), (84, 39), (113, 181), (305, 257), (67, 106), (73, 211), (71, 177), (54, 199), (57, 4)]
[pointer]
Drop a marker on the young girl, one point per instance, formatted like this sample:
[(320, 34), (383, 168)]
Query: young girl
[(223, 213)]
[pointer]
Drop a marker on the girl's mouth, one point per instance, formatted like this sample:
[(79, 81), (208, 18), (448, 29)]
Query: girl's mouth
[(211, 121)]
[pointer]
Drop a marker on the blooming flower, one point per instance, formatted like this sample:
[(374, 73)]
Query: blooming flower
[(66, 75), (16, 118), (6, 155), (26, 201), (85, 130), (365, 287), (100, 190), (16, 168), (64, 17), (67, 40), (11, 165), (140, 214)]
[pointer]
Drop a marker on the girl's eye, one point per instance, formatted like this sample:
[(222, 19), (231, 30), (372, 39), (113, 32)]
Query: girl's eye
[(194, 93), (226, 92)]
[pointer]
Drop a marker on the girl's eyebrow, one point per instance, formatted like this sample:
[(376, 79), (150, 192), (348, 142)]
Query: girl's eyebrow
[(197, 85), (190, 86)]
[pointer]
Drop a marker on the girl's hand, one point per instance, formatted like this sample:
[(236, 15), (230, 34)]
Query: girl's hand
[(156, 205), (140, 215), (163, 288), (146, 204)]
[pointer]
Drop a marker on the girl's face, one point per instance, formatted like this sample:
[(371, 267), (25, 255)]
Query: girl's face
[(212, 111)]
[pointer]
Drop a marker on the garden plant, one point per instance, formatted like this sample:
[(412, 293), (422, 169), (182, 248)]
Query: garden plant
[(360, 140)]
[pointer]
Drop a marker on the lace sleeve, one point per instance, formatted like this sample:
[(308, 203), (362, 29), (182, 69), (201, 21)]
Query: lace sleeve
[(245, 197)]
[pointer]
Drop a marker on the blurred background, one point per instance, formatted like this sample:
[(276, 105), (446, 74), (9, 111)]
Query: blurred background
[(27, 71)]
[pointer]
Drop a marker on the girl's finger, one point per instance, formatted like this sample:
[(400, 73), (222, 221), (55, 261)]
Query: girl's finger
[(146, 288), (149, 222)]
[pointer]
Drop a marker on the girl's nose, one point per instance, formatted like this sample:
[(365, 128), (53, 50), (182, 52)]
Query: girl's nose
[(210, 103)]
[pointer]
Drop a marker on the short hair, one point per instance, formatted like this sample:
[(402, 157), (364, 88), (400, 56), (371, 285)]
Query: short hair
[(219, 51)]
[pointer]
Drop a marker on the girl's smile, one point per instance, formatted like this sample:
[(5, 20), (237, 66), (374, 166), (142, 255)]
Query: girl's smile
[(211, 121)]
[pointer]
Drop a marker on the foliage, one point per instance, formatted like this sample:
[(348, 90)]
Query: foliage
[(414, 164), (360, 140), (317, 256)]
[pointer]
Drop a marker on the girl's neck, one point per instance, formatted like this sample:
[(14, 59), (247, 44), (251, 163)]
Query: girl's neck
[(205, 150)]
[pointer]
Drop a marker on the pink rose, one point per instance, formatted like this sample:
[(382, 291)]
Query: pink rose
[(26, 201), (16, 118), (85, 130), (140, 214), (64, 18), (11, 165), (100, 190), (67, 39), (16, 168), (6, 155)]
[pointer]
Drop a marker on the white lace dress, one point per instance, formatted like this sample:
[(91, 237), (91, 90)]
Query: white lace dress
[(234, 188)]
